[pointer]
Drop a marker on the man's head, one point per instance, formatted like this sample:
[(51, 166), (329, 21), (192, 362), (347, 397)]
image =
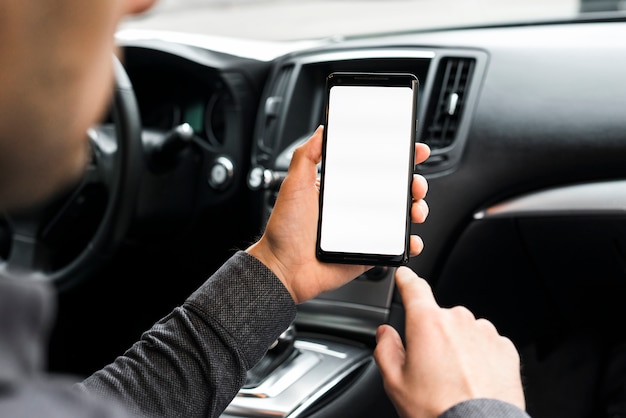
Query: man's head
[(56, 74)]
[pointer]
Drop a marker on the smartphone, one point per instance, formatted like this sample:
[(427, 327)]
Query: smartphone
[(367, 168)]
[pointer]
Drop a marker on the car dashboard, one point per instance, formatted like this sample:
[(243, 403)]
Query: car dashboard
[(527, 225)]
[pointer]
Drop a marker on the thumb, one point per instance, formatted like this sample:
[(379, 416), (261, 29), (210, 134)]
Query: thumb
[(308, 154), (389, 354)]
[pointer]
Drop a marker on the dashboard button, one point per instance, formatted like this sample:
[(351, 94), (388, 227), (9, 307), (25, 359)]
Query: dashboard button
[(221, 173)]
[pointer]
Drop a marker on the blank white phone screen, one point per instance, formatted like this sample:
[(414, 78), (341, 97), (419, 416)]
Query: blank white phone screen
[(368, 153)]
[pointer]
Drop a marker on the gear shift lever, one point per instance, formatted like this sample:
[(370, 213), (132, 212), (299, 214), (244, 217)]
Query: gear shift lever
[(280, 351)]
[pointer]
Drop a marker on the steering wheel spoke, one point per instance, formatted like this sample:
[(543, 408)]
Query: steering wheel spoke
[(103, 141), (28, 254)]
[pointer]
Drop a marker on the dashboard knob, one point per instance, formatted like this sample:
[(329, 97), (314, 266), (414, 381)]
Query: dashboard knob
[(264, 178), (221, 173)]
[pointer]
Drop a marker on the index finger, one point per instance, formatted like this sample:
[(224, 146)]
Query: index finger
[(414, 290)]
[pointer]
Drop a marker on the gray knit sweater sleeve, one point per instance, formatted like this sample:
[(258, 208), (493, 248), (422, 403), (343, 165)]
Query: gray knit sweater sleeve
[(481, 408), (193, 361)]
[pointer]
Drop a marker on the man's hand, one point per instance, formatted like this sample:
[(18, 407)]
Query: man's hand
[(288, 245), (450, 356)]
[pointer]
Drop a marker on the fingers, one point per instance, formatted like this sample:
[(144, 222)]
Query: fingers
[(422, 152), (419, 187), (389, 353), (414, 290), (419, 208), (419, 211), (416, 245)]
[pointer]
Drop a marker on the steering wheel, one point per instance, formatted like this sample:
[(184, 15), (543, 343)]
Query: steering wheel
[(65, 240)]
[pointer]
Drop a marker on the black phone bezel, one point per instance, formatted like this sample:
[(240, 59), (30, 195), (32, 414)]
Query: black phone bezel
[(369, 79)]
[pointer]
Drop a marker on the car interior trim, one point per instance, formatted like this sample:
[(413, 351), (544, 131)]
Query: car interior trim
[(262, 50), (368, 54), (319, 366), (340, 317), (600, 197)]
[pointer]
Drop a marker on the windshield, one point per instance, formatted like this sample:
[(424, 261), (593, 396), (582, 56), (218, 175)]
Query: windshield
[(278, 20)]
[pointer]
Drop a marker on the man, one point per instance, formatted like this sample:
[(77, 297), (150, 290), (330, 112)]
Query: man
[(55, 81)]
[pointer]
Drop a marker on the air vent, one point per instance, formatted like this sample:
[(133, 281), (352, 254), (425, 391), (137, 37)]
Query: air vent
[(447, 101), (272, 108)]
